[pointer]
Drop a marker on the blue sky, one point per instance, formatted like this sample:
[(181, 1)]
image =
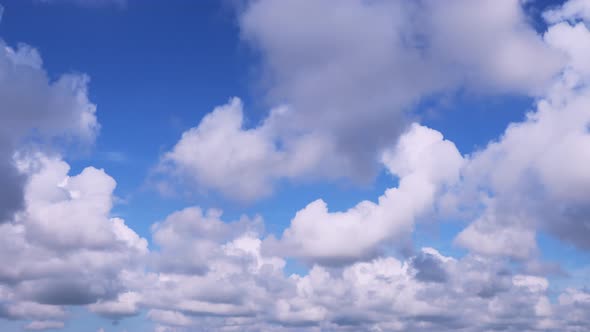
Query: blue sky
[(461, 123)]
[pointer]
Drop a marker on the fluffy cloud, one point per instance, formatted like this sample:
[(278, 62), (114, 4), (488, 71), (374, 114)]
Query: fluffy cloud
[(344, 75), (65, 248), (574, 307), (44, 325), (32, 105), (189, 240), (245, 291), (220, 145), (422, 159), (211, 274), (125, 305), (424, 162), (31, 310), (199, 253), (389, 295), (571, 10), (242, 289), (534, 177), (173, 318)]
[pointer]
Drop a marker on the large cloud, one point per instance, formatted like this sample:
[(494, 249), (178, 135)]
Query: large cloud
[(242, 289), (220, 146), (64, 247), (198, 253), (424, 162), (32, 105), (535, 177), (246, 291), (572, 10), (350, 76)]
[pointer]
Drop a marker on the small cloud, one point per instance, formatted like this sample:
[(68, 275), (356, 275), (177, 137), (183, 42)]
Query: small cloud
[(115, 156)]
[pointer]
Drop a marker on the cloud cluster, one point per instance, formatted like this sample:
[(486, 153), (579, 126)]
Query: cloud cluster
[(64, 247), (343, 77), (350, 76), (424, 163), (382, 293), (33, 106), (220, 146), (244, 290), (535, 176), (212, 274)]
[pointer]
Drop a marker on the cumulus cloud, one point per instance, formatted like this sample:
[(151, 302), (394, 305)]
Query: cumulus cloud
[(173, 318), (44, 325), (32, 105), (534, 177), (206, 267), (390, 295), (245, 291), (64, 247), (30, 310), (180, 253), (344, 75), (571, 10), (424, 162), (221, 145), (220, 279), (125, 305)]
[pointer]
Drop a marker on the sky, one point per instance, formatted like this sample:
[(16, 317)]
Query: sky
[(294, 165)]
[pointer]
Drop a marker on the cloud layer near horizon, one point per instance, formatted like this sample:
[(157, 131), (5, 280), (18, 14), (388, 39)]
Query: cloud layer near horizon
[(344, 112)]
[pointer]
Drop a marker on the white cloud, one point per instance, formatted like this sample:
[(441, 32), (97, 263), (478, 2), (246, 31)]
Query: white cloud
[(33, 105), (221, 154), (574, 41), (174, 318), (350, 76), (126, 304), (574, 306), (205, 266), (31, 310), (424, 162), (534, 176), (503, 238), (44, 325), (64, 247), (242, 289), (220, 146), (189, 240), (383, 294), (570, 11)]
